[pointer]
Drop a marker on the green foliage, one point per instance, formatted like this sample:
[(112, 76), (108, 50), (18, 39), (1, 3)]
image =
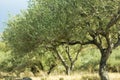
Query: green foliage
[(43, 78), (3, 47), (5, 53), (88, 59), (9, 78), (5, 61), (54, 21), (61, 78), (114, 61)]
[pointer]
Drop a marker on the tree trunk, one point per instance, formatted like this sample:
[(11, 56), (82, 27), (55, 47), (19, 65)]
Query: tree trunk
[(40, 65), (51, 68), (68, 70), (102, 68), (63, 61)]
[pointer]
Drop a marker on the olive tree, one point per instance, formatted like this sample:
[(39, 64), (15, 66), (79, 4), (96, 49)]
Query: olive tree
[(52, 23), (38, 26)]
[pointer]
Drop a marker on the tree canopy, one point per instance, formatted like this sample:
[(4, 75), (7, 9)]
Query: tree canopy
[(60, 20)]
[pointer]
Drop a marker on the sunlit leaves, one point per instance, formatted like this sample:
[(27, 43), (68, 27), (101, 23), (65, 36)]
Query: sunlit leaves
[(46, 21)]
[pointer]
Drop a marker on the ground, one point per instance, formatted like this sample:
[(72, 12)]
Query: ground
[(75, 76), (113, 76)]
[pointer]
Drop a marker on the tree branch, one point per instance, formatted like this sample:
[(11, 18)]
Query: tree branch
[(76, 57), (60, 57), (118, 42), (113, 21), (68, 53), (95, 42), (77, 42)]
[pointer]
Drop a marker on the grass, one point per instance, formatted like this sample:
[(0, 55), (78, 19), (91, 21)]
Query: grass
[(74, 76), (77, 76)]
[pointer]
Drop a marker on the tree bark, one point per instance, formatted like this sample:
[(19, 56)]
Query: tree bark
[(68, 70), (51, 68), (63, 61), (102, 67)]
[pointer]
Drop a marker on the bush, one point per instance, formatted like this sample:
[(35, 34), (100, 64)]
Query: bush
[(89, 60), (43, 78), (61, 78)]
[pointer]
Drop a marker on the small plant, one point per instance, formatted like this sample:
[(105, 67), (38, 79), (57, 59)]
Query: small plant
[(61, 78), (9, 77), (43, 78)]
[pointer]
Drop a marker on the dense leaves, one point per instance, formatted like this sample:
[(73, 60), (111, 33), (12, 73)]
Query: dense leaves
[(59, 20)]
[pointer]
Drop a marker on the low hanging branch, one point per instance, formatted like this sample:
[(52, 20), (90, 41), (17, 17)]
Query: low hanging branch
[(77, 42)]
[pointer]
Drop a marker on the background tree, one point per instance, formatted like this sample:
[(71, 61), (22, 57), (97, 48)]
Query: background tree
[(67, 55)]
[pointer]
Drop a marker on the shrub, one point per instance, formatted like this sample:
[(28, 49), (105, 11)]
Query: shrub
[(43, 78), (61, 78)]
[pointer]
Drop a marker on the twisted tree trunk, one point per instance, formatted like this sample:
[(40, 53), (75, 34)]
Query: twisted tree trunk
[(102, 67)]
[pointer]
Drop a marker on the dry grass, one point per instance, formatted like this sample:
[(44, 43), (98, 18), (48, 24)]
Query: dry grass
[(80, 76), (75, 76), (114, 76)]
